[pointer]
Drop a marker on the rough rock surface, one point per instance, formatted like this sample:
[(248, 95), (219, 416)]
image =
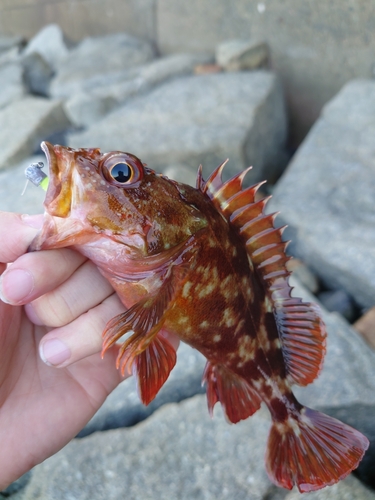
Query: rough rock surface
[(326, 196), (99, 95), (365, 325), (9, 42), (200, 119), (37, 73), (90, 59), (123, 408), (48, 43), (237, 55), (12, 183), (179, 452), (349, 489), (316, 46), (360, 416), (11, 84), (348, 374), (24, 124)]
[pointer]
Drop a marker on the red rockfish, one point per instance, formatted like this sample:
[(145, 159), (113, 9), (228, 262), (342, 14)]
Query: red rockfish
[(208, 265)]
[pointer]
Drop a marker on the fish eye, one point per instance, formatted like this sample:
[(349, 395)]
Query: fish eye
[(121, 172), (122, 169)]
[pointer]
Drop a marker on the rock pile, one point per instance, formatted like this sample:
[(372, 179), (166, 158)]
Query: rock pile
[(162, 110)]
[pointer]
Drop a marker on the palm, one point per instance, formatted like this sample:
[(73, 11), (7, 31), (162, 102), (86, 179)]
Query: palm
[(42, 408)]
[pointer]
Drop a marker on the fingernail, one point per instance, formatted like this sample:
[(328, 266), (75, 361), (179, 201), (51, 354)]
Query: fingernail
[(15, 286), (54, 352), (35, 221)]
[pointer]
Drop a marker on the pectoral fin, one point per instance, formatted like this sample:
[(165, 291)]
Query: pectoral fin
[(147, 354)]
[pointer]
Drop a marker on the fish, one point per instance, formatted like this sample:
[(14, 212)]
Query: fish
[(207, 264)]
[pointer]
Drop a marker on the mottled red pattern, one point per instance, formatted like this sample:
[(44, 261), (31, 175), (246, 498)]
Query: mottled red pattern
[(207, 264)]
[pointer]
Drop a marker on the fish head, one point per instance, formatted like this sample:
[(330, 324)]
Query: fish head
[(93, 196)]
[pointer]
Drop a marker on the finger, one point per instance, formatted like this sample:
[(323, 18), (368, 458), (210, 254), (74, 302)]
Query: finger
[(80, 338), (85, 289), (34, 274), (16, 233)]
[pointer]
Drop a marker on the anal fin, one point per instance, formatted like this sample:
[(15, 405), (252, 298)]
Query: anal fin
[(238, 399)]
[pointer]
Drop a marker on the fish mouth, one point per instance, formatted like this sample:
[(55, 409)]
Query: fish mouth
[(59, 194)]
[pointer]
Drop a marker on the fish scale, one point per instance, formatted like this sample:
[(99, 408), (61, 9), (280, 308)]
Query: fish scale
[(206, 264)]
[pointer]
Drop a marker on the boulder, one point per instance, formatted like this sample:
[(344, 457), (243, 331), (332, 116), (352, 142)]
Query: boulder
[(237, 55), (10, 42), (101, 94), (304, 275), (179, 452), (360, 416), (11, 55), (37, 73), (349, 489), (123, 408), (200, 119), (326, 195), (365, 325), (11, 84), (338, 301), (24, 124), (12, 183), (49, 44), (348, 374), (90, 59)]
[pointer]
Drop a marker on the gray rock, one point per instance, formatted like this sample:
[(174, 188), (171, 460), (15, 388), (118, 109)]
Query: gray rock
[(12, 183), (200, 119), (304, 275), (360, 416), (17, 485), (338, 301), (10, 42), (37, 73), (24, 124), (299, 35), (365, 325), (11, 84), (101, 94), (49, 44), (237, 55), (348, 374), (90, 59), (349, 489), (326, 196), (123, 408), (10, 56), (179, 452), (181, 173)]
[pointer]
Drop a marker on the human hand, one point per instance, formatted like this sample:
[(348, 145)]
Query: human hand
[(67, 304)]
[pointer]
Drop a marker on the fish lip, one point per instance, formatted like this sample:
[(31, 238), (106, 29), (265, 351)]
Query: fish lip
[(58, 197)]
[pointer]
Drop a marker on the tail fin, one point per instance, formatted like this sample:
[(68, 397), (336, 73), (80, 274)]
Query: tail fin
[(312, 450)]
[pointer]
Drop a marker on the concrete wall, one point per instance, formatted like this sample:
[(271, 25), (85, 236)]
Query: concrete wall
[(78, 18), (316, 45)]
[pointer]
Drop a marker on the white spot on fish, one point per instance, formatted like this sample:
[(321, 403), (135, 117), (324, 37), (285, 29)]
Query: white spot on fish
[(217, 338), (206, 290), (229, 317), (246, 348), (204, 324), (186, 289), (183, 319)]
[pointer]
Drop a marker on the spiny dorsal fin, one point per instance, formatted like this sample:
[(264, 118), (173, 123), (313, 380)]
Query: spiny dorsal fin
[(300, 326)]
